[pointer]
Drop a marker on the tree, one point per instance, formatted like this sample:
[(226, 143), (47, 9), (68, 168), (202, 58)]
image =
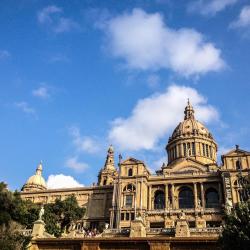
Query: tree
[(59, 215), (15, 214), (236, 231)]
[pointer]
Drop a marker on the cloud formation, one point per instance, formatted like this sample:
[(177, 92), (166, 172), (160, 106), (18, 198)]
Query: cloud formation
[(154, 117), (62, 181), (83, 143), (145, 42), (76, 165), (243, 20), (41, 92), (25, 107), (209, 8), (52, 17)]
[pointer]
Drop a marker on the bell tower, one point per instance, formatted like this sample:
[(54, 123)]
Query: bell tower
[(108, 172)]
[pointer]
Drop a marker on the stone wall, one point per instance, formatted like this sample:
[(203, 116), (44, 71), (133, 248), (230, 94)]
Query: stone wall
[(164, 243)]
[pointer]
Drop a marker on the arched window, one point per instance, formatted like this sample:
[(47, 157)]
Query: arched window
[(159, 200), (129, 188), (130, 172), (212, 198), (186, 198)]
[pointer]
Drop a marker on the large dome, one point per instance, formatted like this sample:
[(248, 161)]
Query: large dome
[(190, 126), (36, 181), (191, 139)]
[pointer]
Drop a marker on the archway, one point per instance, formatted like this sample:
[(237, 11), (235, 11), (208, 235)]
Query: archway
[(159, 200), (186, 198)]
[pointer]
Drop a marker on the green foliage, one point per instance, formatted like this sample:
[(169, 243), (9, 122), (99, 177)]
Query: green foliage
[(236, 232), (15, 214), (61, 214), (57, 216)]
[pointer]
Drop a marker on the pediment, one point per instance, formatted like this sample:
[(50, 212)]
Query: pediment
[(131, 161), (187, 166), (236, 152)]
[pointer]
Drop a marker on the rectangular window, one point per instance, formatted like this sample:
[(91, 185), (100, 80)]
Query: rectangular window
[(122, 216), (132, 216), (127, 216), (193, 148), (129, 200), (184, 149), (207, 153), (203, 149)]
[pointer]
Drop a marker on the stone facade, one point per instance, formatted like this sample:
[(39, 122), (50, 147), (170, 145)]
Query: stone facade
[(190, 183)]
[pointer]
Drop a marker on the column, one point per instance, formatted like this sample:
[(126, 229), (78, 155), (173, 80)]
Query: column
[(149, 197), (202, 197), (166, 196), (173, 198), (195, 195)]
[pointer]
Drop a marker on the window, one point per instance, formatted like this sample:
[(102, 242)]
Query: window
[(129, 188), (127, 216), (207, 153), (122, 216), (210, 151), (186, 198), (129, 200), (212, 198), (132, 216), (238, 165), (159, 200), (130, 172), (184, 149), (203, 149), (104, 182), (193, 148)]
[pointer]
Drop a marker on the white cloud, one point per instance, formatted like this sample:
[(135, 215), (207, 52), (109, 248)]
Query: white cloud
[(74, 164), (146, 43), (4, 54), (154, 117), (41, 92), (243, 19), (25, 107), (211, 7), (84, 143), (52, 17), (62, 181)]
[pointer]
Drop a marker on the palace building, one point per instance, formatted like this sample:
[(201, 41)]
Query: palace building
[(190, 184)]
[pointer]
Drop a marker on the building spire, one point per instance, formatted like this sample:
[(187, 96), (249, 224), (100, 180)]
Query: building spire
[(189, 111), (39, 168), (110, 163)]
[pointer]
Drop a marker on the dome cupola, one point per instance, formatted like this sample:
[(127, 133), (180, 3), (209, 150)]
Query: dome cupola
[(191, 139), (36, 182)]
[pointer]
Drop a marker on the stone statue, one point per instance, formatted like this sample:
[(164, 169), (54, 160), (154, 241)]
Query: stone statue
[(182, 215), (41, 213), (199, 203)]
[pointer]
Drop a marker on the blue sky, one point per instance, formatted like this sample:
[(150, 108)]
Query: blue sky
[(77, 76)]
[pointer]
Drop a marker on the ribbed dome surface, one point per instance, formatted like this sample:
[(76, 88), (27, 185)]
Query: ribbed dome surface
[(36, 180), (190, 126)]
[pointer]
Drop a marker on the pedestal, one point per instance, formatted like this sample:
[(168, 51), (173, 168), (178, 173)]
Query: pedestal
[(137, 229), (200, 223), (169, 223), (38, 229), (182, 228)]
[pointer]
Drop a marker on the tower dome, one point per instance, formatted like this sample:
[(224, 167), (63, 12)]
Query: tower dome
[(191, 139), (36, 182)]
